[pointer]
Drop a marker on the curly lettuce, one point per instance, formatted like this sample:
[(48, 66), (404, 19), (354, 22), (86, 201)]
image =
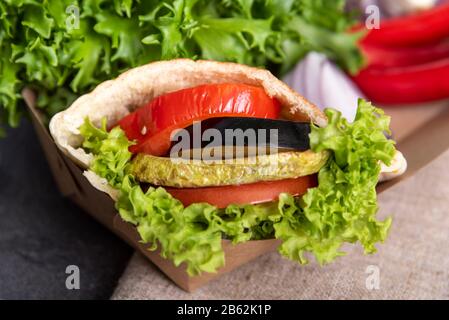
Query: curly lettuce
[(64, 48), (113, 157), (190, 235), (341, 209)]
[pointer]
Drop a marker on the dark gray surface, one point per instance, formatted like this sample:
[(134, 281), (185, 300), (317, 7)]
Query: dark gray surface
[(42, 233)]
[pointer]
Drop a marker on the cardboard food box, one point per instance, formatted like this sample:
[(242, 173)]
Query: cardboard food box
[(422, 134)]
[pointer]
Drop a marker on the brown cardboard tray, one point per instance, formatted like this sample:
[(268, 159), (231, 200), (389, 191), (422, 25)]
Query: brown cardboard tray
[(422, 134)]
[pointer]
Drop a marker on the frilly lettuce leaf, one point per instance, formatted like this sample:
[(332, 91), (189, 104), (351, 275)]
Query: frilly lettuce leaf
[(8, 96), (340, 210), (66, 47), (113, 160), (343, 206)]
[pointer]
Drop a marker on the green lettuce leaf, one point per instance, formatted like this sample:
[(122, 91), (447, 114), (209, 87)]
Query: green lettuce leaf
[(343, 206), (342, 209), (63, 48), (113, 157), (8, 92)]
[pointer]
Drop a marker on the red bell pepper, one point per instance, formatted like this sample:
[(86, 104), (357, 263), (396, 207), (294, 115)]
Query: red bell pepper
[(426, 27), (413, 84), (380, 56)]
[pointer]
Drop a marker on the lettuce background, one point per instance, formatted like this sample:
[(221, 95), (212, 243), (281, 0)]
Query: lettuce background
[(43, 45)]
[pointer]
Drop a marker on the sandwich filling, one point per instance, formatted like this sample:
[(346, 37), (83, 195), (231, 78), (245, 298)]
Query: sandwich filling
[(313, 199)]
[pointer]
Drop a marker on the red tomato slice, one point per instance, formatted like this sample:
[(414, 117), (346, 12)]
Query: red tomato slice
[(252, 193), (152, 124)]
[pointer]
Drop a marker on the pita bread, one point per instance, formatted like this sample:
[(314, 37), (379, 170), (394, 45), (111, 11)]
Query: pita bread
[(114, 99)]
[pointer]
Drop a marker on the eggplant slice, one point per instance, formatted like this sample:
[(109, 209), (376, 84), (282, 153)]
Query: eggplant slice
[(277, 134)]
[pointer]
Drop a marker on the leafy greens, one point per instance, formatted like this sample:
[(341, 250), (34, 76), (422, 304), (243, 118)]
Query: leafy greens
[(62, 48), (342, 209)]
